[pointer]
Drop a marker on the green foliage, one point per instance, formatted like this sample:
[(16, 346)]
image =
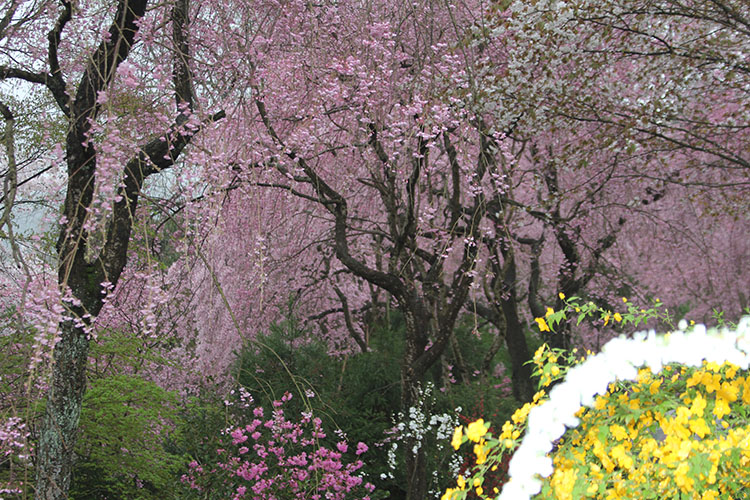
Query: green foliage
[(575, 307), (136, 439), (285, 359), (199, 425), (120, 451), (118, 350)]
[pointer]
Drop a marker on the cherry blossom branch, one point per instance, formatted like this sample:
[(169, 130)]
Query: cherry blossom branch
[(104, 62), (337, 206), (8, 17), (158, 154)]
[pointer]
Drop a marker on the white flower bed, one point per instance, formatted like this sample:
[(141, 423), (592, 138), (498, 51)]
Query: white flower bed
[(619, 360)]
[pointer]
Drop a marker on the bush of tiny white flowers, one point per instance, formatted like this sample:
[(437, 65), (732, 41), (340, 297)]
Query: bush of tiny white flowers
[(425, 429), (652, 416)]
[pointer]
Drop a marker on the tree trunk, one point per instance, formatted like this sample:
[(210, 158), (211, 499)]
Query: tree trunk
[(58, 436), (414, 457), (518, 351), (505, 318)]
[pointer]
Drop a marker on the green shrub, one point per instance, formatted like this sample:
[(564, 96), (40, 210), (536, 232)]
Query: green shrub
[(120, 452)]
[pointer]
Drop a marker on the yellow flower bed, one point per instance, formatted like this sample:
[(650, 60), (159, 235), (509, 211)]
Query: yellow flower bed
[(683, 433), (680, 433)]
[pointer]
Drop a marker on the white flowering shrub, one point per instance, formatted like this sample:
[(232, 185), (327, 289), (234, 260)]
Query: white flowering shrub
[(428, 430)]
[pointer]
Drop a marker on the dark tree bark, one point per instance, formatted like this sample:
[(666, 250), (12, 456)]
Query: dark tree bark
[(502, 312), (515, 340)]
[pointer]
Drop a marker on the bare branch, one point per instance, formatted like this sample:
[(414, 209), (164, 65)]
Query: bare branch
[(56, 83), (348, 319), (29, 76), (10, 186), (337, 206)]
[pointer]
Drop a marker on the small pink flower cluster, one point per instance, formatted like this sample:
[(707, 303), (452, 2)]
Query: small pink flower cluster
[(13, 436), (278, 458)]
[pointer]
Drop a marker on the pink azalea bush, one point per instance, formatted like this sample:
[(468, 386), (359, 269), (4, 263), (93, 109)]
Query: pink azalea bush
[(274, 457)]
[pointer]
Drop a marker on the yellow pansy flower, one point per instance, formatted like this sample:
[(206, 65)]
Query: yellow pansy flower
[(721, 408), (618, 432), (728, 391), (621, 455), (654, 387), (681, 478), (699, 427), (711, 382)]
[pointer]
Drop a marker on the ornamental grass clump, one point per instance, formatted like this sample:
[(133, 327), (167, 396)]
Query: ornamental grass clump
[(650, 417)]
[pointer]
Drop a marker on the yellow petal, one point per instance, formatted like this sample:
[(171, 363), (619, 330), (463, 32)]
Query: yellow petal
[(542, 324), (457, 437), (475, 430)]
